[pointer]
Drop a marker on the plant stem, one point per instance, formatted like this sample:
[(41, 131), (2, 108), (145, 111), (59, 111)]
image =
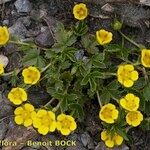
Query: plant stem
[(128, 39), (145, 75), (57, 107), (109, 73), (10, 73), (49, 102), (27, 44), (99, 100), (22, 43), (46, 67)]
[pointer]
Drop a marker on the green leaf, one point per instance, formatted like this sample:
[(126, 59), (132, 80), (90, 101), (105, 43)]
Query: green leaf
[(105, 96), (64, 37), (146, 92), (85, 80), (58, 96), (64, 104), (33, 58), (97, 74), (145, 125), (97, 64), (14, 78), (80, 28), (50, 54), (92, 84), (123, 133), (77, 110), (89, 43), (114, 85), (99, 57), (140, 83), (113, 48)]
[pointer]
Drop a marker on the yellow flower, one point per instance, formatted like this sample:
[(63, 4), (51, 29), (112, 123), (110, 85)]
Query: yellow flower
[(44, 121), (17, 95), (103, 37), (130, 102), (1, 69), (145, 58), (4, 35), (108, 113), (66, 124), (111, 140), (23, 115), (80, 11), (31, 75), (127, 75), (134, 118)]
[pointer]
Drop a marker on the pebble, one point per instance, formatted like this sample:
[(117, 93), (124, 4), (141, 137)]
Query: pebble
[(87, 140), (102, 146), (3, 129), (23, 6), (6, 110), (4, 60), (4, 1), (6, 22), (18, 29), (45, 39)]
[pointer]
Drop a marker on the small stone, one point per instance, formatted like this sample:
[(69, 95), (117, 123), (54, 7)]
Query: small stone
[(79, 54), (102, 146), (3, 129), (4, 1), (145, 2), (6, 22), (45, 39), (79, 146), (6, 110), (38, 98), (18, 29), (28, 148), (14, 61), (4, 60), (23, 6), (25, 20), (87, 140), (108, 8)]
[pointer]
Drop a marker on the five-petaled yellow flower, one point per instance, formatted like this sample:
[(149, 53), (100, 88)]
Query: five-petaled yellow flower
[(4, 35), (103, 37), (127, 75), (134, 118), (66, 124), (24, 114), (145, 58), (111, 140), (80, 11), (130, 102), (1, 69), (44, 121), (31, 75), (108, 113), (17, 95)]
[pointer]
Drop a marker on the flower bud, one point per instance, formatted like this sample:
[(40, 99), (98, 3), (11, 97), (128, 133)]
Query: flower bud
[(117, 25)]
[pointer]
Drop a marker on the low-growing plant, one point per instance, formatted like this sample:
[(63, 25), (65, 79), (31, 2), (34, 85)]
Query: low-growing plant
[(77, 68)]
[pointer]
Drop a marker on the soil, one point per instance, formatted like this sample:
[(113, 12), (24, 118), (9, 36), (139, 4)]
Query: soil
[(25, 21)]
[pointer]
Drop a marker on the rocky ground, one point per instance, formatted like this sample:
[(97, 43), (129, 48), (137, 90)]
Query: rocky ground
[(31, 20)]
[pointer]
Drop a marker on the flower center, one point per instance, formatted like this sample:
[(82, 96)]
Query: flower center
[(133, 116), (81, 12), (107, 113), (32, 75), (46, 121), (65, 123)]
